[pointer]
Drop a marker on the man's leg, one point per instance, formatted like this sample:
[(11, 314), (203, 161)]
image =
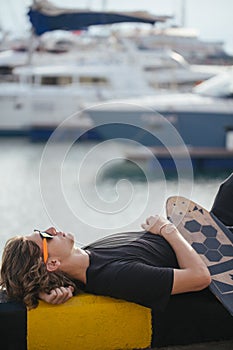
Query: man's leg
[(223, 203)]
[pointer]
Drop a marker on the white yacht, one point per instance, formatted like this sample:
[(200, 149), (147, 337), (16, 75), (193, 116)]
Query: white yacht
[(41, 97)]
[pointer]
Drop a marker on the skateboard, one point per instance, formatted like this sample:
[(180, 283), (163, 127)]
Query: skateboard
[(211, 240)]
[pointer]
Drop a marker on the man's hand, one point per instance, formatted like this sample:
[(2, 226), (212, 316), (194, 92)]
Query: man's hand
[(155, 224), (193, 275), (57, 296)]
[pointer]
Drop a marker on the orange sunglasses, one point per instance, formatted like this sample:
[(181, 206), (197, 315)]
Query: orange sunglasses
[(44, 235)]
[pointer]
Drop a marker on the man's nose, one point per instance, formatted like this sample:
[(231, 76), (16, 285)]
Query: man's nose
[(52, 231)]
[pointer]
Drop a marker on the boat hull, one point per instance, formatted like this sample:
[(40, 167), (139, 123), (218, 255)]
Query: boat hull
[(195, 129)]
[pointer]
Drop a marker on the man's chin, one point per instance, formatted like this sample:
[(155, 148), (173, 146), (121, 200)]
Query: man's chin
[(70, 236)]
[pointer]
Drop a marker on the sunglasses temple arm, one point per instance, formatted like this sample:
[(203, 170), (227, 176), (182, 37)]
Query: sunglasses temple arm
[(45, 250)]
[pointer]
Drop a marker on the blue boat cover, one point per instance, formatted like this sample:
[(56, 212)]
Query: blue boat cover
[(78, 20)]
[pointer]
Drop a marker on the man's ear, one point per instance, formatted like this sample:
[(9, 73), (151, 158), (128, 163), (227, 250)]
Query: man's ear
[(52, 264)]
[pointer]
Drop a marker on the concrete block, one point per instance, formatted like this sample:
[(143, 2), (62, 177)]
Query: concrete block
[(89, 322)]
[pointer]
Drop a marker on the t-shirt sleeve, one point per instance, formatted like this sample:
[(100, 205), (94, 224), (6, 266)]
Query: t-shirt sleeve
[(143, 284)]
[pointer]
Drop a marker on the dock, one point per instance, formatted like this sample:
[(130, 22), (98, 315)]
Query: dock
[(201, 159)]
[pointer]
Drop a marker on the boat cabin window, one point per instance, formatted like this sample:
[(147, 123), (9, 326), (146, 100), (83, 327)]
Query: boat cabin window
[(93, 80), (56, 80), (159, 67)]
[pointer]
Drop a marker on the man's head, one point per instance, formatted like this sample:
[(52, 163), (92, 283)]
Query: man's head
[(56, 246), (24, 274)]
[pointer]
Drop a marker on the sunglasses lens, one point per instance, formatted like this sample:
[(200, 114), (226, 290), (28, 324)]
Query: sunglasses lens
[(44, 234)]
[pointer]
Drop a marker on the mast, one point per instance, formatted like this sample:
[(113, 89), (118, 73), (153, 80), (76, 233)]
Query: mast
[(183, 13), (104, 5), (31, 47)]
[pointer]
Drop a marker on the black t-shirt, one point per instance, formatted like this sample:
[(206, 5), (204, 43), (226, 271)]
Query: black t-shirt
[(140, 271)]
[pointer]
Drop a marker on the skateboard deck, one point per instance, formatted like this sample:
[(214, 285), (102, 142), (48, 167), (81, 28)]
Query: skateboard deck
[(211, 240)]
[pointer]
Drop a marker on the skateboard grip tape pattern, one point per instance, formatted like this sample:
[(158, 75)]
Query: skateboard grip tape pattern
[(211, 240)]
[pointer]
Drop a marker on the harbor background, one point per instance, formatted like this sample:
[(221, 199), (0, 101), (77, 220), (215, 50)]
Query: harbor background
[(110, 197)]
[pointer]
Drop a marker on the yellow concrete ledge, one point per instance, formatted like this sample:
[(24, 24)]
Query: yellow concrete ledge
[(89, 322)]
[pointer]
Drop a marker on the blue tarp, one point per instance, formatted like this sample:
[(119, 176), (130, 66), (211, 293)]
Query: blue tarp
[(81, 20)]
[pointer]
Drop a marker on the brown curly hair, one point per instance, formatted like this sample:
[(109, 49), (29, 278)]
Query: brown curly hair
[(24, 274)]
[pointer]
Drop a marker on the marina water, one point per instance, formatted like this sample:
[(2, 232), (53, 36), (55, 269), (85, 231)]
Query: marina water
[(85, 189)]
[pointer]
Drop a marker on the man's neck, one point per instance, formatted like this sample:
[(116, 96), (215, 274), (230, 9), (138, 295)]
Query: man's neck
[(77, 265)]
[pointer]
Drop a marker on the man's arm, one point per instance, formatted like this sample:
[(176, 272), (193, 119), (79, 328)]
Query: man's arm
[(193, 274)]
